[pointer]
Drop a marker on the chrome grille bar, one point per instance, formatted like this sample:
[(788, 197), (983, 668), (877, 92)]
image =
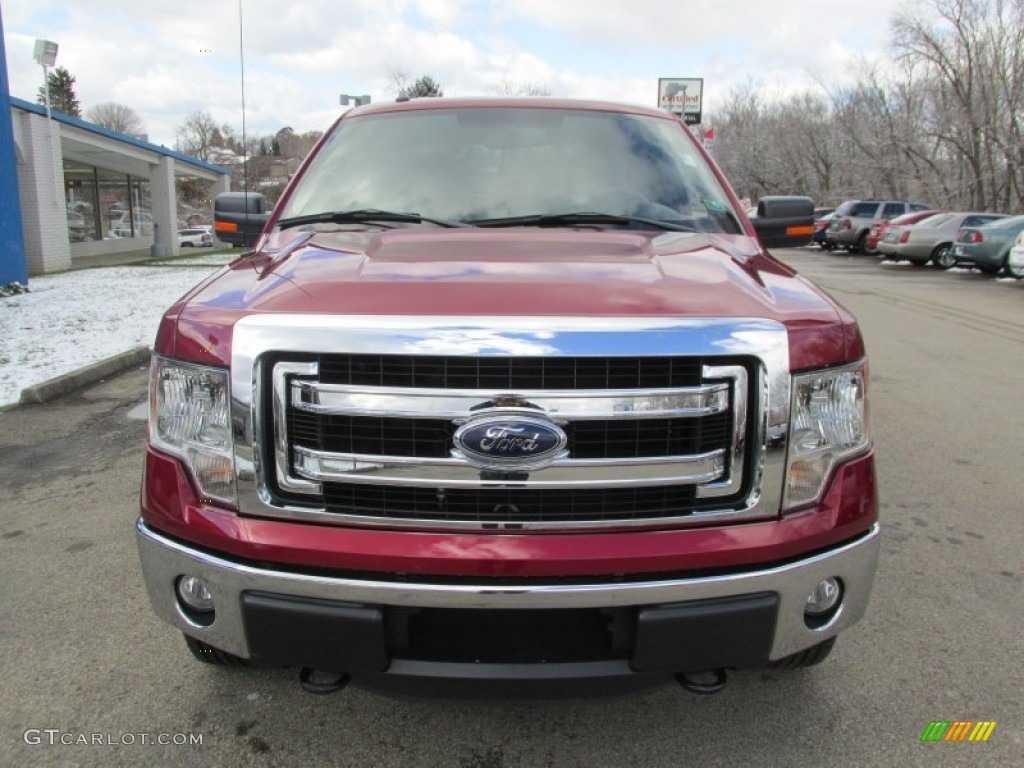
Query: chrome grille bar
[(321, 466), (574, 405)]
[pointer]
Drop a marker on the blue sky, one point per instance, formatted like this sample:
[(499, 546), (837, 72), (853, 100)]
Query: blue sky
[(301, 54)]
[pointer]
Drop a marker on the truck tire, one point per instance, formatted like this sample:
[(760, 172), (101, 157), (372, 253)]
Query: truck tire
[(209, 655), (808, 657)]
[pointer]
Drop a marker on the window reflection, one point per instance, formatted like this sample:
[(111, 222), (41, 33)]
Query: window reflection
[(105, 205), (473, 164)]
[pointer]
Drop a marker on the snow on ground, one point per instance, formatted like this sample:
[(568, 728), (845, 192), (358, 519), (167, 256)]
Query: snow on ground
[(79, 317), (76, 318)]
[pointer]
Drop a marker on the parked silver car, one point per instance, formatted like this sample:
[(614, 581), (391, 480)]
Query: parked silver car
[(988, 247), (930, 239), (853, 220)]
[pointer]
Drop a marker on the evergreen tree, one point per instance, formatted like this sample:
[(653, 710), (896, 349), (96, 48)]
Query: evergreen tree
[(424, 86), (62, 93)]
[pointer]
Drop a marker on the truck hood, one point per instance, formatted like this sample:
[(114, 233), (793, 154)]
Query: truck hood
[(507, 272)]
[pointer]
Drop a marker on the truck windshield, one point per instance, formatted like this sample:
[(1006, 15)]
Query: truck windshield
[(487, 164)]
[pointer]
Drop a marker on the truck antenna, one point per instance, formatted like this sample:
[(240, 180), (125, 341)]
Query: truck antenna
[(245, 149)]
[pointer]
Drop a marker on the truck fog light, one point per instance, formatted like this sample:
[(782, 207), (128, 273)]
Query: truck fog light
[(822, 601), (195, 595)]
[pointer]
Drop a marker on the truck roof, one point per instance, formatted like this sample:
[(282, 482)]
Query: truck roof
[(504, 102)]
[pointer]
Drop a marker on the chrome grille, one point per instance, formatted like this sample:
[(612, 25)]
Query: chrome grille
[(381, 451), (689, 427)]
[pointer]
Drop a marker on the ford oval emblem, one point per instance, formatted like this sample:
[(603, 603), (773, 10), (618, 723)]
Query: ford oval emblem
[(509, 441)]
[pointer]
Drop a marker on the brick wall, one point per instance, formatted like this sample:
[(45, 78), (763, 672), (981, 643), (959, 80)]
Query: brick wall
[(41, 184)]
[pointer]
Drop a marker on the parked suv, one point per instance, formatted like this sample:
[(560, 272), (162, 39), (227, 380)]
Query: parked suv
[(195, 237), (853, 220)]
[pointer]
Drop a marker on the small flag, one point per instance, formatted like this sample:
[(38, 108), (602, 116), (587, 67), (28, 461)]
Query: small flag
[(709, 134)]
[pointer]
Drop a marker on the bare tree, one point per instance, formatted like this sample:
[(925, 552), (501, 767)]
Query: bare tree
[(973, 52), (943, 122), (116, 117), (196, 135), (506, 86)]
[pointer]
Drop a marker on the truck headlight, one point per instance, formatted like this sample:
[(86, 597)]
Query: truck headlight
[(190, 417), (828, 423)]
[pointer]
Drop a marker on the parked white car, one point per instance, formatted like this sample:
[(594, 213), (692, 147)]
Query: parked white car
[(1015, 259), (195, 237)]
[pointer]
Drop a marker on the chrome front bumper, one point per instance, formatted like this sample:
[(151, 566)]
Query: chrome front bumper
[(164, 561)]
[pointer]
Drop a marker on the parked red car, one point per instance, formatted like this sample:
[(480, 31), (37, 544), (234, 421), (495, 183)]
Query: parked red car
[(878, 230)]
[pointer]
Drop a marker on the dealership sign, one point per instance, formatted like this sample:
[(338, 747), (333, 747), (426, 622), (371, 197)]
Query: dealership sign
[(682, 96)]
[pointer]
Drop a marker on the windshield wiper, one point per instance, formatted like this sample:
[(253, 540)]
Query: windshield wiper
[(364, 216), (578, 218)]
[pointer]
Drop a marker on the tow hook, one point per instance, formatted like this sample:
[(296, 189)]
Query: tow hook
[(702, 685), (321, 683)]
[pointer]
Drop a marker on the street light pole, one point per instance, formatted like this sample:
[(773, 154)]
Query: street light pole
[(46, 55)]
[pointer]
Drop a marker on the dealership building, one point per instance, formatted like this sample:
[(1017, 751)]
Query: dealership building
[(87, 191)]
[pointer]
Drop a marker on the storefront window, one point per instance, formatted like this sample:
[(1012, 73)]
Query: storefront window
[(115, 214), (142, 216), (80, 196), (105, 205)]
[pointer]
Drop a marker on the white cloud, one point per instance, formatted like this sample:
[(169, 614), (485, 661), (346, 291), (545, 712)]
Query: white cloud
[(301, 54)]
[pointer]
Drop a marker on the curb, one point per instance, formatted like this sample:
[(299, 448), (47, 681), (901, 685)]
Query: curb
[(90, 374)]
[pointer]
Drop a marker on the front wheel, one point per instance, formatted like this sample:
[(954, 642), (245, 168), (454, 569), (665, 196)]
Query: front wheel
[(808, 657), (942, 256)]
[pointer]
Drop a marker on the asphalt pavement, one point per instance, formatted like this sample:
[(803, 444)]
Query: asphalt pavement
[(84, 657)]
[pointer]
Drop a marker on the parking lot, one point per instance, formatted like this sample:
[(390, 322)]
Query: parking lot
[(84, 655)]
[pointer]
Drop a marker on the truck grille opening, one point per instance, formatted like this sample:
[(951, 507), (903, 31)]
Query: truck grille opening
[(429, 438), (505, 505), (358, 438)]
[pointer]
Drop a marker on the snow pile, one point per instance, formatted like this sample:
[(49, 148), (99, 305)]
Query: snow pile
[(76, 318)]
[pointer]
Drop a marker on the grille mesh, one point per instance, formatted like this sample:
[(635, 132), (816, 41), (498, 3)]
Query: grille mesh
[(430, 438), (501, 505), (511, 373)]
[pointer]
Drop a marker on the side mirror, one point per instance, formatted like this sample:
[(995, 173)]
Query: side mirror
[(784, 221), (238, 217)]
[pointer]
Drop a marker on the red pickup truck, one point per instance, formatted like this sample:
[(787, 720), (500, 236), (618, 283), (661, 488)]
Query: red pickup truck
[(510, 392)]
